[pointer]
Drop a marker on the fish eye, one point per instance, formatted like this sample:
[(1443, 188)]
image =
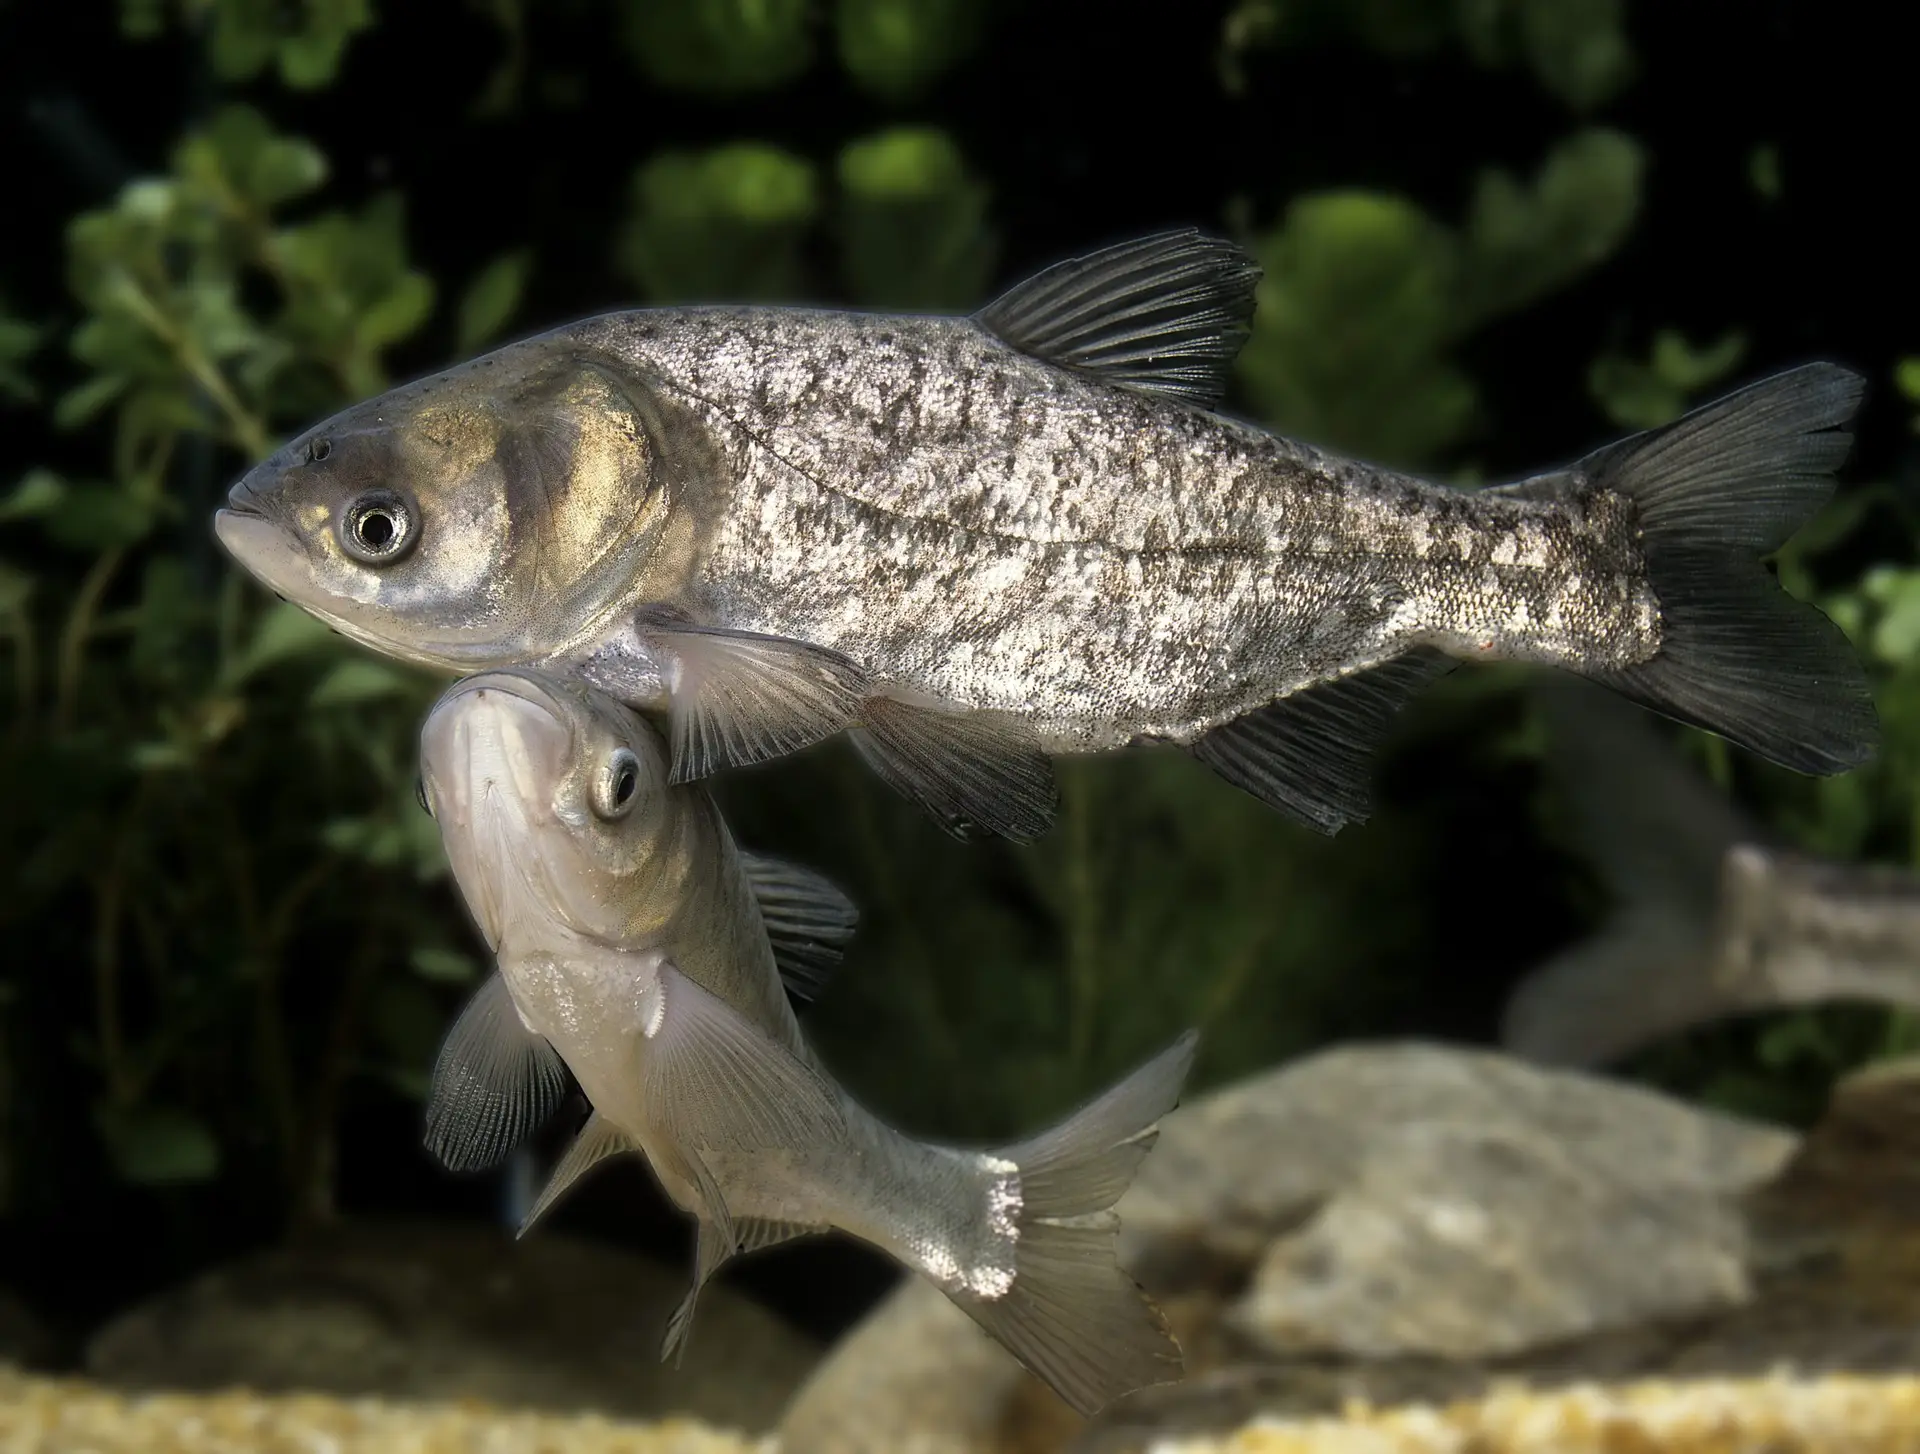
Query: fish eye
[(378, 528), (318, 450), (420, 794), (618, 785)]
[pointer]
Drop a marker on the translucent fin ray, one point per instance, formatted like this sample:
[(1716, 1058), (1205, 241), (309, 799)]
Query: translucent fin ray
[(494, 1083), (1714, 491), (975, 772), (715, 1081), (1165, 314), (739, 697), (1311, 754), (807, 920), (1071, 1315), (598, 1140)]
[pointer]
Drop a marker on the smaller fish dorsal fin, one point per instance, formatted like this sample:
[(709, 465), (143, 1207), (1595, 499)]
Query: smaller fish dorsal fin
[(1165, 314), (807, 920)]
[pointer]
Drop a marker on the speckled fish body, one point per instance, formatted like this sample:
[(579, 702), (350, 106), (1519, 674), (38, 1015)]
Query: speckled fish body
[(998, 533), (638, 945), (978, 542)]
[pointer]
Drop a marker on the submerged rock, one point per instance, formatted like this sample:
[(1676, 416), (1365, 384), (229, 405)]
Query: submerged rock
[(1413, 1226), (449, 1311)]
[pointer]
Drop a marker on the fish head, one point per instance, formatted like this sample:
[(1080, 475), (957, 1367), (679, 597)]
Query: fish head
[(553, 803), (485, 516)]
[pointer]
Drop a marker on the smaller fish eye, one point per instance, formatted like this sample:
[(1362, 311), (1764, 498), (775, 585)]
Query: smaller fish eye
[(618, 785), (378, 528), (420, 794), (318, 450)]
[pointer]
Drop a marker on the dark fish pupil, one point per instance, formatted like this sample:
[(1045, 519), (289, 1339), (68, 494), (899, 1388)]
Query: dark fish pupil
[(623, 785), (376, 529)]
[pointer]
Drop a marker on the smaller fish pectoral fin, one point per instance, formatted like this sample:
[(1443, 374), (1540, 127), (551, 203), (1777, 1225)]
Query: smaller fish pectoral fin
[(740, 697), (1165, 314), (714, 1082), (975, 772), (807, 920), (494, 1083), (598, 1140)]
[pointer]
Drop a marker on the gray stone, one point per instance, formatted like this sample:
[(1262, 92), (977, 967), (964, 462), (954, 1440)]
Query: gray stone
[(1389, 1221), (430, 1311)]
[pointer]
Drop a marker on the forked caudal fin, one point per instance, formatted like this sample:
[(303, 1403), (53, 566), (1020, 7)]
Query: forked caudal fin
[(1071, 1315), (1715, 491)]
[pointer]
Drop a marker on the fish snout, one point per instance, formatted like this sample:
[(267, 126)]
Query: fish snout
[(499, 737)]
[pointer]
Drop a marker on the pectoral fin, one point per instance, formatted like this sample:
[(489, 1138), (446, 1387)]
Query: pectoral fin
[(739, 697), (716, 1083), (975, 772), (1165, 314), (1311, 754), (807, 920), (494, 1083), (598, 1140)]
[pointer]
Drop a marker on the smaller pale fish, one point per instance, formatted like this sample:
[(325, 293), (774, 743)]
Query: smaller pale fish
[(639, 949), (1710, 919)]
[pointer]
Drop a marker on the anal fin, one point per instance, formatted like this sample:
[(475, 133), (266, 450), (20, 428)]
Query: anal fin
[(977, 773), (598, 1140), (1310, 755)]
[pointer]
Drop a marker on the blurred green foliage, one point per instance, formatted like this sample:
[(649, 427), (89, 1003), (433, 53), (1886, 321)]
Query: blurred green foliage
[(1366, 299), (238, 912)]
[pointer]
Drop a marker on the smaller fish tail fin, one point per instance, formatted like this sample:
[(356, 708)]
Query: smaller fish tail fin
[(1643, 977), (1656, 833), (1070, 1314), (1717, 490)]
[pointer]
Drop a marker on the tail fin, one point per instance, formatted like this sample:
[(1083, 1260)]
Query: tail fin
[(1071, 1315), (1717, 490), (1657, 834)]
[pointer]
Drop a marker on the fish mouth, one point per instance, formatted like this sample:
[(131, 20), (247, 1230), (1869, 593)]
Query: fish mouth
[(256, 543), (493, 751)]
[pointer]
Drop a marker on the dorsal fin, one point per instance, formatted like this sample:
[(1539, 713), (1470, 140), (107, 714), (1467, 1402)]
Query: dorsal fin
[(807, 920), (1165, 314)]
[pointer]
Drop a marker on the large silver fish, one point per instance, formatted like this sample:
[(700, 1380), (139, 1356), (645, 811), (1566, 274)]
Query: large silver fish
[(1710, 916), (632, 946), (980, 541)]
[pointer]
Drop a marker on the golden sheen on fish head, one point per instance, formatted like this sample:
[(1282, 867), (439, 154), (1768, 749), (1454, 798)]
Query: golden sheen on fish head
[(553, 804), (489, 515)]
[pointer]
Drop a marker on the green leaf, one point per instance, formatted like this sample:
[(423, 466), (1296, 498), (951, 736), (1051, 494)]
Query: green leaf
[(722, 224), (101, 517), (158, 1145), (1525, 241), (359, 681), (445, 966), (283, 631), (491, 298), (896, 47), (720, 46), (38, 494), (398, 314), (79, 405), (16, 589), (913, 222)]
